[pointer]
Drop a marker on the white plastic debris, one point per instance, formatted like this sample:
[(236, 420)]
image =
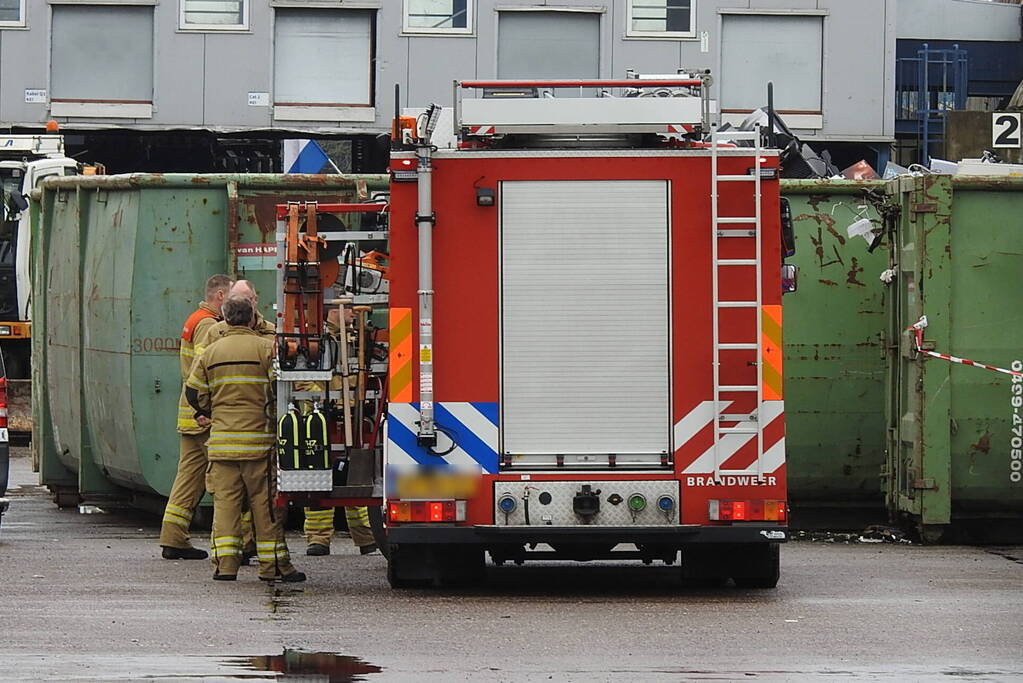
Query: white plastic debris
[(944, 167), (887, 276), (862, 228)]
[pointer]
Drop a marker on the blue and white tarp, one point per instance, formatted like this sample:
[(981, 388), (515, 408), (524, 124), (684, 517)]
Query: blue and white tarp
[(304, 156)]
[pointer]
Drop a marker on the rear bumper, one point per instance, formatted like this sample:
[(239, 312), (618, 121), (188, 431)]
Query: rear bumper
[(487, 535)]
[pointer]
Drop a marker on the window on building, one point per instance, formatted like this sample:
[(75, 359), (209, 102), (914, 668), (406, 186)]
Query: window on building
[(547, 44), (214, 15), (437, 16), (116, 70), (784, 49), (323, 58), (12, 13), (660, 18)]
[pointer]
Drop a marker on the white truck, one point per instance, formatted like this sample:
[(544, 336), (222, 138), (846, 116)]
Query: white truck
[(25, 161)]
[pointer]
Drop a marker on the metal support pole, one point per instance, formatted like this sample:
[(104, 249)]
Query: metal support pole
[(425, 219)]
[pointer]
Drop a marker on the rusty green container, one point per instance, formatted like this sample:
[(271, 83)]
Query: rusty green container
[(834, 359), (954, 466), (119, 263)]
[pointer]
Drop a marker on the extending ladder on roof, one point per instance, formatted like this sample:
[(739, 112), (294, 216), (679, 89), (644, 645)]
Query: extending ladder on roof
[(729, 440)]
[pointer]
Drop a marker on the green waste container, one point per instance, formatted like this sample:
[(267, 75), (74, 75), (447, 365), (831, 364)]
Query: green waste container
[(955, 433), (834, 361), (119, 263)]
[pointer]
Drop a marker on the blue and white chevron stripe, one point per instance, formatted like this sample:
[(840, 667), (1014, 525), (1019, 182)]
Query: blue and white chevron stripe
[(472, 426)]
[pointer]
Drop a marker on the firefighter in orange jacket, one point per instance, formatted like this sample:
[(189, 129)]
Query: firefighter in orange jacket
[(189, 483), (232, 385)]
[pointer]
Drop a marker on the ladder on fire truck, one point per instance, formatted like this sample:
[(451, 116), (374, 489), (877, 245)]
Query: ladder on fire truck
[(724, 227)]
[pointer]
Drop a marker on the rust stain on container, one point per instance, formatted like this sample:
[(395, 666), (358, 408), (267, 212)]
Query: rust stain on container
[(836, 233), (853, 272), (983, 444)]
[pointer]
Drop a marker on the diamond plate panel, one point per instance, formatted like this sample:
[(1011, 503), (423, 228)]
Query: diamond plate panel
[(305, 480), (559, 511)]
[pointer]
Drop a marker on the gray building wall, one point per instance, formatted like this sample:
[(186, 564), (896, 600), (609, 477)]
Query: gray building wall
[(958, 20), (202, 80)]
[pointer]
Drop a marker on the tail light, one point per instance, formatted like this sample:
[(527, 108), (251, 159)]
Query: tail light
[(426, 511), (748, 510), (3, 402)]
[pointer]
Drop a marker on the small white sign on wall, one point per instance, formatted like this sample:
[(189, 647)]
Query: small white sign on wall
[(35, 95), (705, 41), (259, 99)]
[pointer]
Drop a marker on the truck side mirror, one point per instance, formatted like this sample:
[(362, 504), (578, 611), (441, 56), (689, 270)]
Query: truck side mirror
[(789, 278), (788, 231), (18, 201)]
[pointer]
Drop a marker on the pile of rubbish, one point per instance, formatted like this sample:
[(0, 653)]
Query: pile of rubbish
[(801, 161), (875, 533)]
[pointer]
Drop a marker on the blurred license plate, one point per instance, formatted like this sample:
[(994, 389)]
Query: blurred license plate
[(430, 485)]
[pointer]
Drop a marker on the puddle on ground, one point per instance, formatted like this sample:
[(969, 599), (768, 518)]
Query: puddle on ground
[(310, 666), (290, 665)]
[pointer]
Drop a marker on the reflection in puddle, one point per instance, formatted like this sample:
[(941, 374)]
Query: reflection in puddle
[(291, 665), (311, 666)]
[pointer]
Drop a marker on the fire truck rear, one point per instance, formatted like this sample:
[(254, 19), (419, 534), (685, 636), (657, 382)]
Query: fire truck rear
[(585, 335)]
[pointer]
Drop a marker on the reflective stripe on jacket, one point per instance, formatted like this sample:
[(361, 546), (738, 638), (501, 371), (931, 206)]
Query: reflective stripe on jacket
[(233, 379)]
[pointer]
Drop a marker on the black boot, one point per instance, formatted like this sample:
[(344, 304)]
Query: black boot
[(368, 549), (317, 549), (170, 553)]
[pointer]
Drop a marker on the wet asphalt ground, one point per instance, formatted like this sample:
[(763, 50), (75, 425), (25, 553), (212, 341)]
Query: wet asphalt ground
[(87, 597)]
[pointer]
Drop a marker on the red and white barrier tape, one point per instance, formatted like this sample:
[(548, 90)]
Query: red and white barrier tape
[(918, 333)]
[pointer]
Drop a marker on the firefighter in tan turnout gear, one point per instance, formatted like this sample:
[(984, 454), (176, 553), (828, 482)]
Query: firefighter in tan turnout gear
[(189, 483), (319, 522), (232, 384), (264, 328)]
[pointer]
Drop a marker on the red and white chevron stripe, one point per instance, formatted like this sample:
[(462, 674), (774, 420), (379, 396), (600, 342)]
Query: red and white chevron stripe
[(694, 441), (918, 335)]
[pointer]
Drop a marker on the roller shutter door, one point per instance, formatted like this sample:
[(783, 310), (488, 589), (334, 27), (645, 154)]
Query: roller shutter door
[(585, 335)]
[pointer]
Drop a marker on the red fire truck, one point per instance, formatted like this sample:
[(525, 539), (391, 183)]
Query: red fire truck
[(585, 335)]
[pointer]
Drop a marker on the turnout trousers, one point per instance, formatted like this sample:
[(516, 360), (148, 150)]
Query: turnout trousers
[(186, 491), (233, 483), (319, 526)]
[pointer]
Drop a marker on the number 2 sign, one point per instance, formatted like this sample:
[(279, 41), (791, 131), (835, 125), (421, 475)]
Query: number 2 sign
[(1005, 131)]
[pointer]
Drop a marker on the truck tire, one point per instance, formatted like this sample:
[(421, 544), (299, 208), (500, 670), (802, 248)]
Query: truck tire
[(761, 567), (459, 565), (407, 566), (704, 567), (420, 565)]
